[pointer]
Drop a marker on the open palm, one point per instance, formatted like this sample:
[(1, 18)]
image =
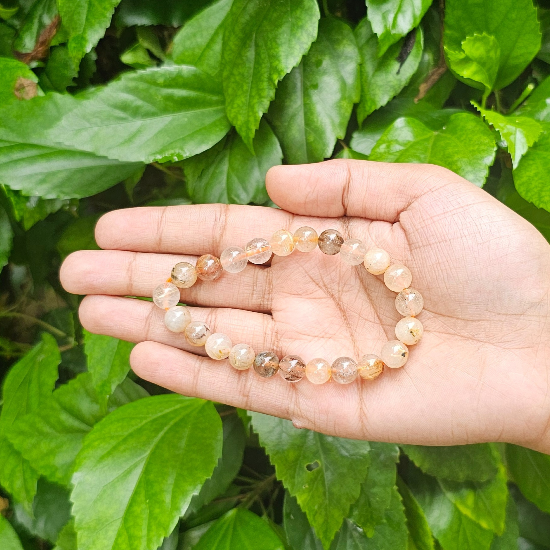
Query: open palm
[(481, 371)]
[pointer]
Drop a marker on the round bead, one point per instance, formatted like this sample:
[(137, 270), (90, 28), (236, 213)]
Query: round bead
[(282, 243), (370, 366), (409, 330), (184, 275), (233, 259), (218, 346), (353, 252), (377, 261), (177, 318), (409, 302), (258, 251), (208, 268), (394, 354), (397, 277), (330, 241), (305, 238), (292, 368), (166, 295), (318, 371), (196, 333), (241, 356), (266, 364), (344, 370)]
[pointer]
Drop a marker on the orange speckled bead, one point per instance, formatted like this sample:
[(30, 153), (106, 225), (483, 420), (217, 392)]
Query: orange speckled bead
[(258, 251), (292, 368), (376, 261), (196, 333), (209, 268), (318, 371), (282, 243), (166, 295), (409, 330), (344, 370), (241, 356), (409, 302), (184, 275), (305, 238), (397, 277), (394, 354), (370, 366), (218, 346)]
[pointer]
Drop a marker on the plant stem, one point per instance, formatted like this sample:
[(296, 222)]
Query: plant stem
[(498, 102), (43, 324), (325, 8), (526, 93)]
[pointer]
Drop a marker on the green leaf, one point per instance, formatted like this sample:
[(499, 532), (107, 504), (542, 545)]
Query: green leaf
[(513, 24), (298, 531), (324, 473), (51, 438), (313, 103), (464, 145), (199, 42), (147, 12), (138, 57), (264, 40), (7, 35), (51, 510), (67, 538), (453, 529), (108, 361), (518, 132), (531, 472), (86, 22), (376, 491), (8, 537), (478, 462), (14, 74), (240, 529), (26, 388), (419, 530), (60, 71), (348, 153), (393, 19), (40, 16), (536, 106), (122, 121), (477, 60), (230, 173), (532, 171), (534, 525), (152, 454), (6, 238), (509, 538), (383, 77), (228, 465), (78, 235)]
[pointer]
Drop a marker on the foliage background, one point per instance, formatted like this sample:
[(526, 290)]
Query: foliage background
[(107, 104)]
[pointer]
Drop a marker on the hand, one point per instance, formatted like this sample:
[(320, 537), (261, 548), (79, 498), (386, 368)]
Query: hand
[(481, 371)]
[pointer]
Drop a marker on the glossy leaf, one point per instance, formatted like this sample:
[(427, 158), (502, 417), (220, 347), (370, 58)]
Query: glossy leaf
[(86, 22), (148, 12), (153, 455), (264, 40), (537, 106), (464, 145), (518, 132), (108, 361), (509, 538), (531, 472), (534, 525), (477, 59), (478, 462), (313, 103), (6, 238), (240, 529), (324, 473), (383, 77), (376, 491), (40, 15), (513, 23), (199, 42), (60, 70), (26, 388), (15, 77), (166, 113), (8, 537), (51, 438), (530, 174), (298, 531), (419, 530), (393, 19), (230, 173)]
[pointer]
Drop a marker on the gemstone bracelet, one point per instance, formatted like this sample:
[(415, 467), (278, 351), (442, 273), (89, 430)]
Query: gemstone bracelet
[(344, 370)]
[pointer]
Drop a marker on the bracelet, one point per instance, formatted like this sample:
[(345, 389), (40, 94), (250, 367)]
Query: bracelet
[(292, 368)]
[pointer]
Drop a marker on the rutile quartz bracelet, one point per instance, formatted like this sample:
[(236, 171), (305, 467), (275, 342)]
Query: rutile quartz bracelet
[(292, 368)]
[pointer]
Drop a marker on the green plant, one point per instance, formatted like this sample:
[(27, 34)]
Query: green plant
[(110, 104)]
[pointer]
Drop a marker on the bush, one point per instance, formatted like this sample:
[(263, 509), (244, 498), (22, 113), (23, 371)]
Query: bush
[(107, 104)]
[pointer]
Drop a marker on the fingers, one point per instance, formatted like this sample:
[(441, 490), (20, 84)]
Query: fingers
[(137, 320), (373, 190), (192, 229), (137, 274)]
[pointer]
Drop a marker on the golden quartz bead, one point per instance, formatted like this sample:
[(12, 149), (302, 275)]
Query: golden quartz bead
[(409, 302), (376, 261), (318, 371), (282, 243), (292, 368), (409, 330), (184, 275), (266, 364), (344, 370), (397, 277), (218, 346), (394, 354), (241, 356), (370, 366), (330, 242), (196, 333), (305, 238), (209, 268)]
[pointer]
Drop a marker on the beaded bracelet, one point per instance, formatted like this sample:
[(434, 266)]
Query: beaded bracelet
[(292, 368)]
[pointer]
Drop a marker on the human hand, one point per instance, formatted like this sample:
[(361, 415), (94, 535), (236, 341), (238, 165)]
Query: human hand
[(481, 371)]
